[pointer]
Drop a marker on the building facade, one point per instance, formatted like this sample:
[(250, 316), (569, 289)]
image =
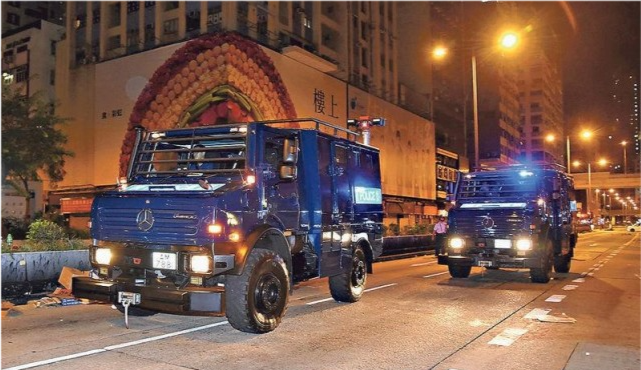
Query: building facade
[(16, 14), (541, 99), (147, 63), (29, 65)]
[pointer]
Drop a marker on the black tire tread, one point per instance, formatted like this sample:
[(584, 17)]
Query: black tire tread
[(459, 272), (340, 285), (237, 289)]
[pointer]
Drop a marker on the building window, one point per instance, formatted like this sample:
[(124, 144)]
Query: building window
[(13, 19), (114, 15), (171, 5), (52, 77), (283, 13), (536, 120), (22, 73), (170, 27), (52, 47), (113, 42), (364, 57), (132, 6)]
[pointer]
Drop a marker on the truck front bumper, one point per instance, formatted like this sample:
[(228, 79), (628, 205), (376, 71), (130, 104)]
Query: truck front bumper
[(198, 301), (497, 261)]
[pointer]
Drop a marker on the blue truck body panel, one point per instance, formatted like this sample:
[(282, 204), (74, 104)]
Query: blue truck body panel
[(222, 191)]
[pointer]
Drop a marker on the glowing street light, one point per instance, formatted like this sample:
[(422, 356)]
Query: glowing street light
[(585, 135), (601, 162), (507, 41), (625, 159)]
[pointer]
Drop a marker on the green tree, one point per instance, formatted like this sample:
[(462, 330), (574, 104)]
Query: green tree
[(32, 142)]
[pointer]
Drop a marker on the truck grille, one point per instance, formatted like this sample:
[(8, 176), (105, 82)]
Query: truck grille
[(495, 224), (166, 223)]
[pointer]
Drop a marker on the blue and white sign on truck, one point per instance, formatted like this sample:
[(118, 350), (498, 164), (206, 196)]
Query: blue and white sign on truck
[(223, 220)]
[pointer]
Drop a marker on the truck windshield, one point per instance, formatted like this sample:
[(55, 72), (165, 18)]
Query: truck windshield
[(192, 152), (498, 186)]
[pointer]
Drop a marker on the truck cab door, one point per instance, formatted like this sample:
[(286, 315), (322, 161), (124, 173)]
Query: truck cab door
[(283, 207), (335, 203)]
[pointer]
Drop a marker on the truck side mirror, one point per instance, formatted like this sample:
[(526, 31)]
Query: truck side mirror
[(290, 151), (288, 172)]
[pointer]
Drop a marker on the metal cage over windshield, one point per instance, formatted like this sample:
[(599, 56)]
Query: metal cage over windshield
[(500, 185), (195, 152)]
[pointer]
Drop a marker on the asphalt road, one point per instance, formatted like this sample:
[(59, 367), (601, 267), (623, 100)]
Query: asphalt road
[(414, 316)]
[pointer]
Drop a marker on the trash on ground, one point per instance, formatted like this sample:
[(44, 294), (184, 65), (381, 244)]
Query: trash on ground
[(555, 298), (556, 319), (6, 307), (67, 274), (570, 287)]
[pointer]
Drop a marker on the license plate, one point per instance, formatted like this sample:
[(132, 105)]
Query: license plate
[(485, 263), (133, 298), (165, 261)]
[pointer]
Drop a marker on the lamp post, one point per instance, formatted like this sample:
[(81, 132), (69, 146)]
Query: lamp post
[(507, 41), (475, 107), (625, 159), (601, 162), (585, 135)]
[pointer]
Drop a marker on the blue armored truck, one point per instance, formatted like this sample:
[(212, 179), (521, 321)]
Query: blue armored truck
[(512, 217), (224, 219)]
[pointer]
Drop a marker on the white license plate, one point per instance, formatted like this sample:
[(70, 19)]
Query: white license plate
[(485, 263), (165, 261)]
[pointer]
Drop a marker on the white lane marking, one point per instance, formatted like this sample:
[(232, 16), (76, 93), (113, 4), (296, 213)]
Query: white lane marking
[(535, 313), (432, 275), (366, 290), (584, 274), (579, 280), (117, 346), (591, 274), (380, 287), (593, 244), (508, 336), (570, 287), (555, 298), (423, 264), (320, 301)]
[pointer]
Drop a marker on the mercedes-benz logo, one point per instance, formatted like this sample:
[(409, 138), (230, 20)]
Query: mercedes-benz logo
[(145, 219), (487, 222)]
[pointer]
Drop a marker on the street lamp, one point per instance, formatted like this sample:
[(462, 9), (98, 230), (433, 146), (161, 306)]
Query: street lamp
[(625, 159), (509, 40), (585, 135), (601, 162)]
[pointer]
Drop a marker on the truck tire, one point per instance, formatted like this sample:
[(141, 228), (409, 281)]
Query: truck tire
[(543, 274), (349, 286), (459, 272), (562, 263), (256, 300)]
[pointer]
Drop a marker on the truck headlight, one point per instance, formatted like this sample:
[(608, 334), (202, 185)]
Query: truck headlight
[(457, 243), (200, 264), (524, 244), (102, 256)]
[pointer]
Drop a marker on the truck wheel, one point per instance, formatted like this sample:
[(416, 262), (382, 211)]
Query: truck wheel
[(543, 274), (349, 286), (459, 272), (257, 299), (562, 263)]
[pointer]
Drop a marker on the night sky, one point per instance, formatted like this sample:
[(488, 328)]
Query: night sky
[(605, 42)]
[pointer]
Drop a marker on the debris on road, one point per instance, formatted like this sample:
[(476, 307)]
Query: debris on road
[(6, 307), (67, 274), (556, 319)]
